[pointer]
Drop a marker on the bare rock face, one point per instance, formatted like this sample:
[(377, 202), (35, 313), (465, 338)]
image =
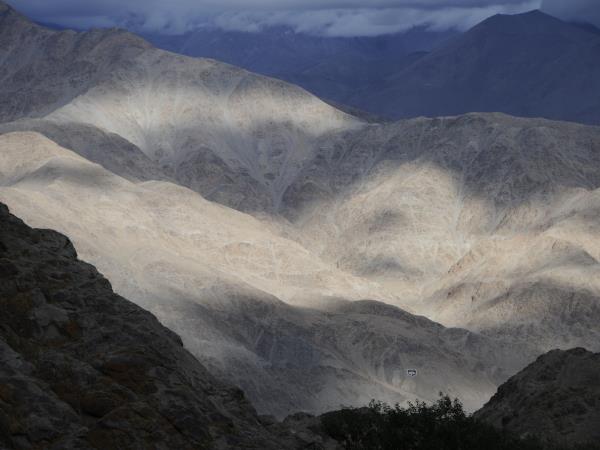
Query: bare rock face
[(557, 397), (56, 66), (81, 367)]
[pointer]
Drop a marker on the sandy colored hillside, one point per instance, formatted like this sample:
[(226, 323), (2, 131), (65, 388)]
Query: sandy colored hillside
[(481, 221), (237, 292)]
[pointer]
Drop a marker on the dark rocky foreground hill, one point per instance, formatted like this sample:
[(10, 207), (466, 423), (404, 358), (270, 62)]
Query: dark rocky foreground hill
[(81, 367), (556, 397)]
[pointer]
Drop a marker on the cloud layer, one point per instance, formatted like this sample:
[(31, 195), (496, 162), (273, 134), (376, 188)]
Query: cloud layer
[(323, 17), (369, 21), (574, 10)]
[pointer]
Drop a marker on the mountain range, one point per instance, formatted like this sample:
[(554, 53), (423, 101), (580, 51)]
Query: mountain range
[(530, 65), (84, 368), (310, 257), (332, 68)]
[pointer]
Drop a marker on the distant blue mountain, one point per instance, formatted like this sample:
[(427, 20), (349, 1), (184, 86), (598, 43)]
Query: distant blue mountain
[(331, 67), (588, 27), (56, 26), (528, 64)]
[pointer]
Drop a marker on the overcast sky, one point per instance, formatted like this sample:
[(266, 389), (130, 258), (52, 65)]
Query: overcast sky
[(324, 17)]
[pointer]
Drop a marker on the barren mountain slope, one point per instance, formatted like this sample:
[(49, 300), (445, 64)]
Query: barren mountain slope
[(210, 273), (481, 221), (42, 69), (556, 397), (107, 149), (231, 135), (82, 368)]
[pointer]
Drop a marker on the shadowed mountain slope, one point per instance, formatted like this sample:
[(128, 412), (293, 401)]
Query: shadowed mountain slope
[(42, 69), (531, 65), (557, 398)]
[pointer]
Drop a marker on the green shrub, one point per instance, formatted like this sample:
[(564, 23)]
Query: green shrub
[(441, 426)]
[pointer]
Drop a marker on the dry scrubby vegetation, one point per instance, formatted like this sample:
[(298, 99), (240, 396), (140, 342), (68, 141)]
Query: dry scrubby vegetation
[(443, 425)]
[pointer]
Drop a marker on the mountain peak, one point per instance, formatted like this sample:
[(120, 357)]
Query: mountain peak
[(534, 13), (526, 23), (4, 8), (10, 16)]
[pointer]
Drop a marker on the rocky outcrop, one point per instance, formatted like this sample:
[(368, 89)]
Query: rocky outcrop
[(81, 367), (556, 398)]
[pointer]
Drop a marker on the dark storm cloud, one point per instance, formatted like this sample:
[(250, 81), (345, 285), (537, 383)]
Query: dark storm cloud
[(574, 10), (328, 17)]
